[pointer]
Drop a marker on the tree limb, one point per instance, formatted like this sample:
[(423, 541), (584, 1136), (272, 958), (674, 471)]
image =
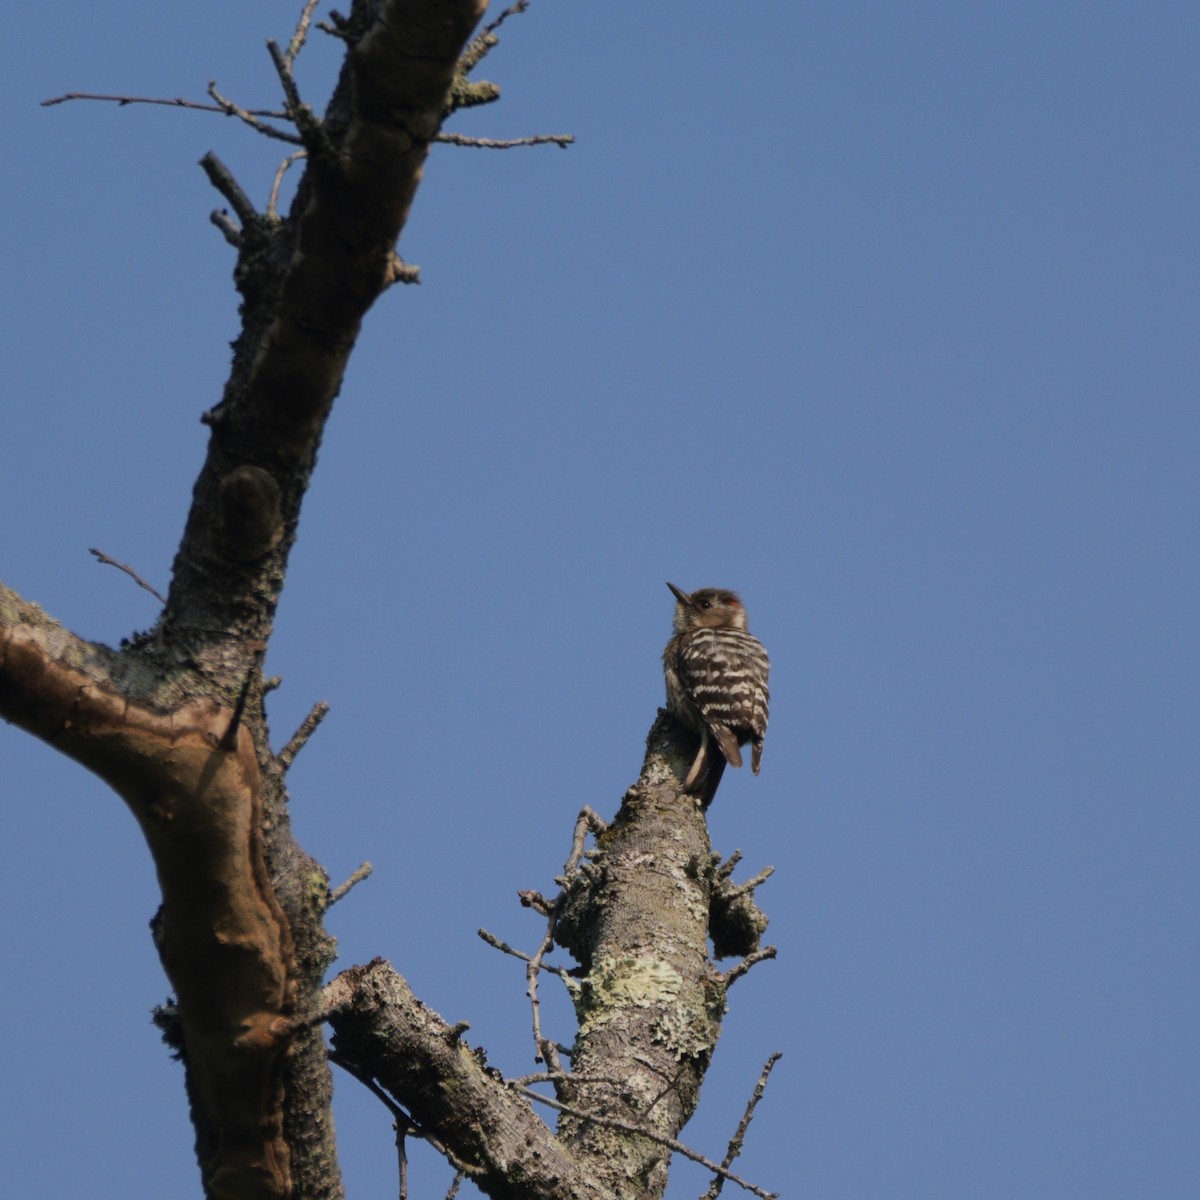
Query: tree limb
[(196, 793), (413, 1054)]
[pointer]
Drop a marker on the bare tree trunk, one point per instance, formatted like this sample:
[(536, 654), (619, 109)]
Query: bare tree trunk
[(175, 723)]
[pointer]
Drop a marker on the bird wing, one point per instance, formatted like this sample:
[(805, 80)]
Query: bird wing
[(725, 673)]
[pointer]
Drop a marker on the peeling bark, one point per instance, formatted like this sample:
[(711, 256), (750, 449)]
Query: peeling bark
[(191, 778)]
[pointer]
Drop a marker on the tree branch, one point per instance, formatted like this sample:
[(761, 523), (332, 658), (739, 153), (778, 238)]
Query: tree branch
[(230, 109), (169, 102), (413, 1054), (562, 140), (197, 795), (299, 739), (736, 1142), (222, 179), (100, 556), (673, 1144), (363, 871), (301, 33)]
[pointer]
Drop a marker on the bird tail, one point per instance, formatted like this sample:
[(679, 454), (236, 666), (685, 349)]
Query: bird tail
[(727, 740)]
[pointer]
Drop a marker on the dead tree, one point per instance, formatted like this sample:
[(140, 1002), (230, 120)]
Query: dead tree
[(175, 722)]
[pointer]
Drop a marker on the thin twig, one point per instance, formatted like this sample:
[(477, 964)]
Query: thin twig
[(670, 1088), (312, 133), (403, 1160), (308, 727), (486, 40), (522, 1081), (176, 102), (660, 1139), (739, 1137), (399, 1115), (742, 888), (512, 11), (493, 941), (283, 68), (283, 166), (751, 960), (562, 140), (244, 114), (458, 1178), (337, 26), (497, 944), (545, 1050), (298, 38), (112, 562), (363, 872)]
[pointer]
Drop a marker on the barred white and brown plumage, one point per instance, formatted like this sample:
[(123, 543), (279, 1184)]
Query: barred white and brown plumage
[(716, 675)]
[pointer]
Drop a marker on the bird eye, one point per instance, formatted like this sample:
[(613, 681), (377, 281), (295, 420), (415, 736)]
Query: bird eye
[(706, 604)]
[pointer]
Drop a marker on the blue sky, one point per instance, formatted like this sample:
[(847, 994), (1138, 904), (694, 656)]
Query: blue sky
[(884, 315)]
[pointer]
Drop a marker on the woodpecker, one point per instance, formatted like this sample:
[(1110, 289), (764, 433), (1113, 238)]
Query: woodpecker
[(716, 675)]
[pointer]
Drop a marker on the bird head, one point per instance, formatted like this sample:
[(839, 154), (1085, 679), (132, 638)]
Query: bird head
[(708, 608)]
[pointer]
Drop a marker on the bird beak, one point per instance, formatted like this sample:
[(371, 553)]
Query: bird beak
[(682, 597)]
